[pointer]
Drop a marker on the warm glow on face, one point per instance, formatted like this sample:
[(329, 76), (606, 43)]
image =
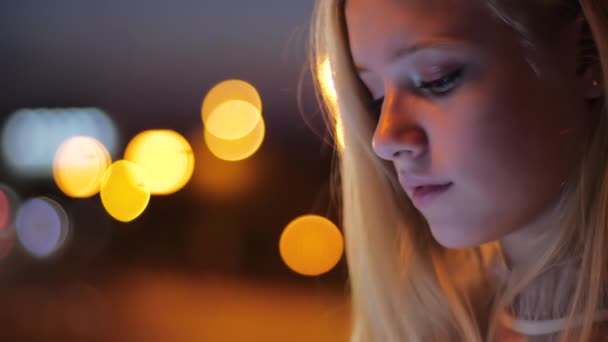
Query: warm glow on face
[(233, 119), (311, 245), (42, 226), (125, 191), (238, 149), (79, 164), (339, 133), (327, 81), (165, 156), (329, 89)]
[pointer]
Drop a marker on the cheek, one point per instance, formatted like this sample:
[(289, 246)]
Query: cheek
[(486, 160), (505, 151), (483, 139)]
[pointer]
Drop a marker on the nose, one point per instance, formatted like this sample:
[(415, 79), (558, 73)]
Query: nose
[(397, 133)]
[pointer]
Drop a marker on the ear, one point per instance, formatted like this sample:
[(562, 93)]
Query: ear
[(588, 67)]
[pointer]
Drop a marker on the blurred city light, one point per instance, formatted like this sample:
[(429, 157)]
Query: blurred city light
[(311, 245), (165, 156), (79, 165), (125, 190), (233, 119), (238, 149), (42, 226), (237, 119), (30, 137)]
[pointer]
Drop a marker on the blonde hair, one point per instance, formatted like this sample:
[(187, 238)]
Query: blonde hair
[(404, 285)]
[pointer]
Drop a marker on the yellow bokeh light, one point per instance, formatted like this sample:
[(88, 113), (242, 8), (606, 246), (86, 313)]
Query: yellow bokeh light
[(230, 90), (233, 119), (311, 245), (79, 165), (165, 156), (237, 149), (125, 191), (329, 89)]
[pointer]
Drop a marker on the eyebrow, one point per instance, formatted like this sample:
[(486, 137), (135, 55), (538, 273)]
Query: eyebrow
[(408, 50)]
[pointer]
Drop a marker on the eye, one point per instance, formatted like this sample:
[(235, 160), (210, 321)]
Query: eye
[(442, 86), (437, 88)]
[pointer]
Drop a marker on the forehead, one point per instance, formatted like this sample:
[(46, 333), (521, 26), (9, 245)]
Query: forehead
[(378, 28)]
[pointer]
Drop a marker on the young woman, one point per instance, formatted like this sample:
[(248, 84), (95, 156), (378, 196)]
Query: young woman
[(474, 165)]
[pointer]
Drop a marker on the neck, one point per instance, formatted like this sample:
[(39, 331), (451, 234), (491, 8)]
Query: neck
[(549, 294), (518, 250), (529, 242)]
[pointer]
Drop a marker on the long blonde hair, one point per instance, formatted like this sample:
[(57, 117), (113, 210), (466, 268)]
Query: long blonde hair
[(404, 285)]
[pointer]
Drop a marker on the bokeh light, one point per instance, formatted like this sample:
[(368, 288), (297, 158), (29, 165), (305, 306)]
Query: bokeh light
[(30, 137), (125, 191), (233, 119), (8, 206), (79, 165), (42, 226), (328, 88), (311, 245), (237, 149), (165, 156), (8, 240), (221, 122)]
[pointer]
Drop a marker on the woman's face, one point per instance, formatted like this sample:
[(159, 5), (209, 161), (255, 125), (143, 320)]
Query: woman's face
[(466, 107)]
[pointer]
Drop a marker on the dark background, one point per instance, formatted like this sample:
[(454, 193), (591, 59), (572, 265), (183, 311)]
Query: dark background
[(149, 64)]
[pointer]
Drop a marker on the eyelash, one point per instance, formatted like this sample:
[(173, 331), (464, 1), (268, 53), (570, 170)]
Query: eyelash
[(427, 87)]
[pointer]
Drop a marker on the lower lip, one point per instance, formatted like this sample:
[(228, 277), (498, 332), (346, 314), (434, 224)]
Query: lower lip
[(424, 196)]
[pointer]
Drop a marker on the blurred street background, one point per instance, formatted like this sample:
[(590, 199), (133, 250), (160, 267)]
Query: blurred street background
[(102, 99)]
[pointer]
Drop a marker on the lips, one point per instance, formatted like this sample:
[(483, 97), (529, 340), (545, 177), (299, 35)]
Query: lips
[(423, 196), (412, 185), (423, 190), (427, 189)]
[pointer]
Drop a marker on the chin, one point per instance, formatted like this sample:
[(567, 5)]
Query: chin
[(451, 236)]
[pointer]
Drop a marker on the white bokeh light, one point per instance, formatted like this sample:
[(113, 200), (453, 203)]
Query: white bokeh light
[(30, 137)]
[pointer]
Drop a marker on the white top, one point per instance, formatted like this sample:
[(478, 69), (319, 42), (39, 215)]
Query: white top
[(497, 265), (552, 326)]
